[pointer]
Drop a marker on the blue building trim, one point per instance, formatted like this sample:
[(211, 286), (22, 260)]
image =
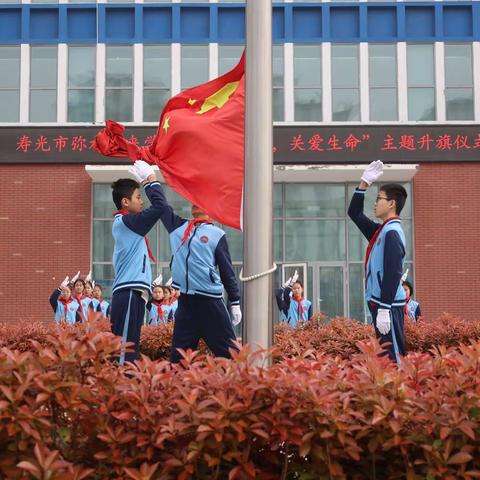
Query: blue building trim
[(225, 23)]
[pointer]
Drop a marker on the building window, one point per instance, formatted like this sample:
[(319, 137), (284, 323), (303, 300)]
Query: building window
[(194, 65), (421, 82), (43, 84), (459, 81), (81, 84), (119, 83), (156, 80), (228, 57), (345, 83), (307, 66), (383, 82), (278, 83), (10, 84)]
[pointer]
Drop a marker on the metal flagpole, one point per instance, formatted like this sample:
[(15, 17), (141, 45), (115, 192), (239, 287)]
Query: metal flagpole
[(258, 187)]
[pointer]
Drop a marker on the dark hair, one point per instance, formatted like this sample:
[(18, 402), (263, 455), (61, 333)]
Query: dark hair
[(299, 282), (395, 191), (78, 280), (99, 286), (89, 283), (123, 188), (409, 285)]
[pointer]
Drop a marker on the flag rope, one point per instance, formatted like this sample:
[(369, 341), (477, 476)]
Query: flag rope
[(258, 275)]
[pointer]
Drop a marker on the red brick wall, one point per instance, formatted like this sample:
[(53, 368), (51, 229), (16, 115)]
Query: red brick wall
[(45, 235), (447, 239)]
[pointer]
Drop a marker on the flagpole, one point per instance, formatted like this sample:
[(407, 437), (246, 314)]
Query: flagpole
[(258, 185)]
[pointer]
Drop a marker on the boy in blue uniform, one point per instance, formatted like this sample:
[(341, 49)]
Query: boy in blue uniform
[(198, 248), (131, 255), (294, 308), (385, 258), (65, 308)]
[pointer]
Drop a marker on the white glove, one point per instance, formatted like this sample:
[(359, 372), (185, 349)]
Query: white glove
[(158, 280), (287, 283), (383, 321), (373, 172), (64, 283), (236, 314), (75, 277), (169, 282), (141, 170), (295, 277), (93, 283), (88, 278), (405, 275)]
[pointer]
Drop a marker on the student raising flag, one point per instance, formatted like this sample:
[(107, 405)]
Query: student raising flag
[(199, 145)]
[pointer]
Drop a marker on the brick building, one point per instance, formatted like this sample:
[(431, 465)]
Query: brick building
[(353, 82)]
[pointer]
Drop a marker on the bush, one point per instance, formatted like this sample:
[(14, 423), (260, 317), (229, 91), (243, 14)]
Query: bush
[(67, 412)]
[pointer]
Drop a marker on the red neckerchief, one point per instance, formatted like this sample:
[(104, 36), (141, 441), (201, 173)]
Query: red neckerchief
[(159, 307), (191, 225), (65, 305), (80, 306), (372, 241), (150, 254), (300, 307), (405, 308)]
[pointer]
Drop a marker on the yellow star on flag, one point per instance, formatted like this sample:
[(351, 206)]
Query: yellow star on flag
[(191, 101), (219, 98), (166, 124)]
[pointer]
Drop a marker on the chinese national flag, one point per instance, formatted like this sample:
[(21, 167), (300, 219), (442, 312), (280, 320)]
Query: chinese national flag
[(199, 145)]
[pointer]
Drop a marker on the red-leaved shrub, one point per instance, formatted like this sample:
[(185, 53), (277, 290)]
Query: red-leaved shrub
[(67, 412)]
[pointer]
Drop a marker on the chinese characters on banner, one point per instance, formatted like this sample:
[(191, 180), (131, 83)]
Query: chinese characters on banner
[(292, 144)]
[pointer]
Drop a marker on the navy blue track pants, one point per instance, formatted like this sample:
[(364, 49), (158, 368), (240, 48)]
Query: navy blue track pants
[(396, 336), (127, 314), (202, 317)]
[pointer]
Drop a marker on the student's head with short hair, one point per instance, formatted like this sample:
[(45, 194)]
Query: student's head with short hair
[(66, 293), (126, 195), (390, 201), (157, 293), (88, 289), (297, 289), (408, 287), (78, 287), (97, 291)]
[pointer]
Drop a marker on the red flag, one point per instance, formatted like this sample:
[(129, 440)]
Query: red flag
[(199, 145)]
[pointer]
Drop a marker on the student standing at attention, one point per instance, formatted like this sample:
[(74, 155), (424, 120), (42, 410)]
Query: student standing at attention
[(385, 258)]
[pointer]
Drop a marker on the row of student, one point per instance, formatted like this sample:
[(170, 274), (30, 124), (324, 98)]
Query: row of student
[(77, 299), (199, 248), (294, 307), (161, 308)]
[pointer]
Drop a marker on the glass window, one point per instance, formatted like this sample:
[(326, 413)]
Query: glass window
[(10, 84), (81, 84), (421, 82), (383, 82), (156, 80), (119, 83), (331, 291), (278, 83), (314, 240), (194, 65), (228, 57), (308, 82), (345, 83), (43, 84), (315, 200), (459, 81)]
